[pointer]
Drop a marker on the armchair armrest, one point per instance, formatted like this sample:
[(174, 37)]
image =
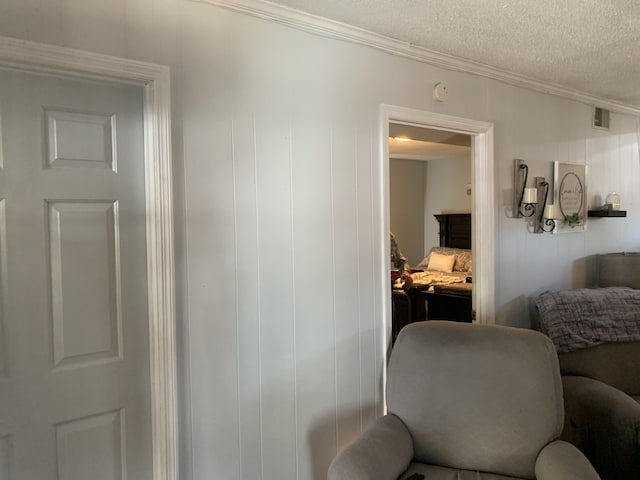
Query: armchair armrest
[(604, 423), (562, 461), (382, 452)]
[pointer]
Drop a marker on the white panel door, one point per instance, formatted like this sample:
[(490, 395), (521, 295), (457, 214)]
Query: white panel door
[(74, 354)]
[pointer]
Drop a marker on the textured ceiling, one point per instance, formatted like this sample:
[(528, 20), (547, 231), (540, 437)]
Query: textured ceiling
[(591, 46)]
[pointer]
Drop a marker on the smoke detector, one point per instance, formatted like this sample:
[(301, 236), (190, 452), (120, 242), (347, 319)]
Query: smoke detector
[(440, 92)]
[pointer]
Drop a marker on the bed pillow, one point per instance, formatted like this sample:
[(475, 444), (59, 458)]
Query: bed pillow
[(441, 250), (441, 263), (463, 263)]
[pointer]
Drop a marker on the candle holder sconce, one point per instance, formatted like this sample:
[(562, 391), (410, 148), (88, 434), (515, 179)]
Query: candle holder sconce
[(532, 201)]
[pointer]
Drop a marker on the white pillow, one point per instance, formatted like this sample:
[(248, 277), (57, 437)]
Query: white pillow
[(441, 263)]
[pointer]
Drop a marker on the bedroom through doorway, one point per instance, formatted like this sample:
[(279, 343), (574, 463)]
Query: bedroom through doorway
[(430, 215), (482, 216)]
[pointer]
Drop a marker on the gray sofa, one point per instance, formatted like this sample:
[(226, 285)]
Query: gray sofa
[(601, 381), (467, 402)]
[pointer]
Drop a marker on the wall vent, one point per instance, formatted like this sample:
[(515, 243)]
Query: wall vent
[(601, 118)]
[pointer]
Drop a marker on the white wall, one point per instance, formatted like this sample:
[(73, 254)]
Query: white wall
[(447, 180), (277, 179), (407, 182)]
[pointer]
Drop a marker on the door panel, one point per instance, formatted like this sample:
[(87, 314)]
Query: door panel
[(74, 351), (91, 447), (85, 267), (80, 139)]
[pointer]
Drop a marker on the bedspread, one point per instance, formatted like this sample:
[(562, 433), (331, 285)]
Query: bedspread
[(430, 277), (582, 318)]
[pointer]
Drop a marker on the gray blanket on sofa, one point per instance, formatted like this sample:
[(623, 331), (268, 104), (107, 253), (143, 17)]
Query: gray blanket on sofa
[(582, 318)]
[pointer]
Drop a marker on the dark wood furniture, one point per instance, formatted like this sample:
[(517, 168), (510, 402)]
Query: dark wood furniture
[(455, 229), (449, 304)]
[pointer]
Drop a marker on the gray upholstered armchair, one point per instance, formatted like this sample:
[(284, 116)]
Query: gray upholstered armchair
[(467, 402), (602, 406)]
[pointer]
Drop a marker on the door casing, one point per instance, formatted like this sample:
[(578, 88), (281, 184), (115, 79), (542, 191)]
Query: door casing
[(154, 80), (483, 202)]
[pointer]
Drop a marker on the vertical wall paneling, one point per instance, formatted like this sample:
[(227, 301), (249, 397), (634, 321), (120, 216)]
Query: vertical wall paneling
[(344, 200), (212, 270), (247, 293), (294, 330), (5, 457), (275, 295), (1, 142), (3, 287), (369, 315), (314, 298), (3, 264)]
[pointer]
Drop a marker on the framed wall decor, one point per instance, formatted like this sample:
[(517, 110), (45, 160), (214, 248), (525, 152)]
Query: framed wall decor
[(570, 195)]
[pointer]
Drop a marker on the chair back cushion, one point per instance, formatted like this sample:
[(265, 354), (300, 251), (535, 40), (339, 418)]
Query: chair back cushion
[(616, 364), (618, 270), (476, 397)]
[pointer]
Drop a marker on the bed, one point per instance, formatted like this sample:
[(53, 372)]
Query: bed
[(442, 281)]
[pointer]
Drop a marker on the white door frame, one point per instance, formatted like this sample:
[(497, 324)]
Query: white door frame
[(482, 204), (154, 80)]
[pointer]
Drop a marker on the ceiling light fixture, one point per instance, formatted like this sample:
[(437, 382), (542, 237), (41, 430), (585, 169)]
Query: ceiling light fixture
[(402, 138)]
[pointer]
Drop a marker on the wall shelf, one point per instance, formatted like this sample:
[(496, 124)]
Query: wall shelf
[(608, 213)]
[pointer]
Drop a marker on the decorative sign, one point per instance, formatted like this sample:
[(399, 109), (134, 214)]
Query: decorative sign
[(570, 194)]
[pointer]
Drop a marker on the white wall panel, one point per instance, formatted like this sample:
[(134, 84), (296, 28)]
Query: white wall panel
[(212, 292), (5, 457), (3, 287), (277, 131), (275, 274), (344, 213), (1, 141), (3, 263), (248, 321), (366, 292), (314, 247)]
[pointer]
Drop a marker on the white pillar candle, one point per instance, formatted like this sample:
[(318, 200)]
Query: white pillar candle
[(552, 211), (530, 195)]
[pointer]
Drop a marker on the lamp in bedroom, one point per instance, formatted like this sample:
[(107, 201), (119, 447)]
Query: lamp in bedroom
[(532, 201)]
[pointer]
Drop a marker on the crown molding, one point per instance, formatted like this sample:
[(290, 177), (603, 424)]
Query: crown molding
[(341, 31)]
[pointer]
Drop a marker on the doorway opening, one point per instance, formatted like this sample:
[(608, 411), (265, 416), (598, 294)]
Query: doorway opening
[(482, 201), (430, 220)]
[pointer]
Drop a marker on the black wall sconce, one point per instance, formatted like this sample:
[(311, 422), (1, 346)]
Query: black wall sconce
[(532, 201)]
